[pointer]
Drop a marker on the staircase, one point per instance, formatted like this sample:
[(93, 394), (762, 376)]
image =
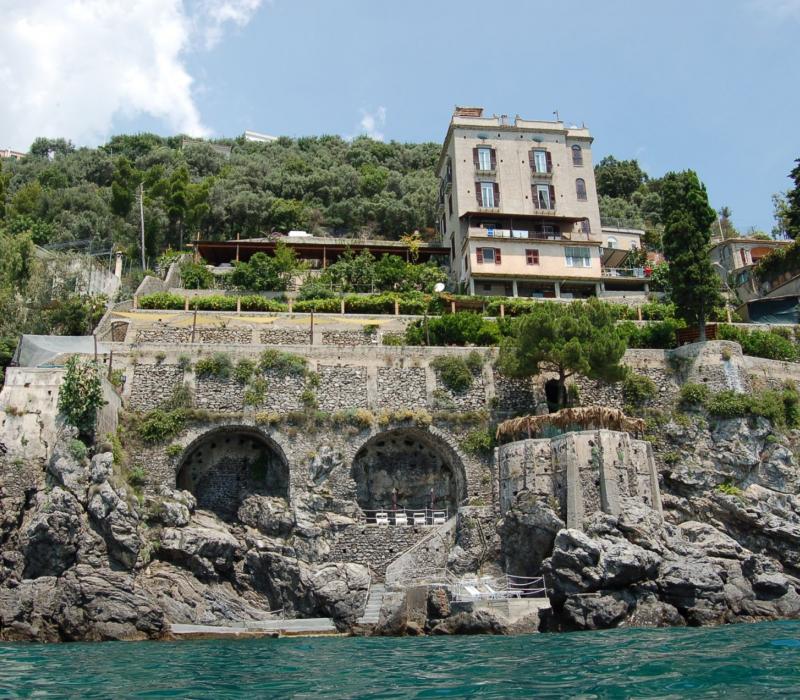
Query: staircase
[(372, 610)]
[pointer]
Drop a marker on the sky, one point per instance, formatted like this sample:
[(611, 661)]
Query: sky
[(710, 85)]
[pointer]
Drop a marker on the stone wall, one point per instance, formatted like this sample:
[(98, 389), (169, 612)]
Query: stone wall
[(515, 395), (341, 387), (152, 385), (215, 394), (402, 387), (285, 336), (375, 545), (472, 399), (163, 334), (347, 338), (593, 392), (224, 336), (580, 473), (425, 559)]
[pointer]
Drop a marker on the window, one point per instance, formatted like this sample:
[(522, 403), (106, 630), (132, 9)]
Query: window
[(577, 155), (485, 158), (580, 189), (578, 256), (586, 227), (544, 196), (450, 204), (612, 242), (541, 161), (488, 194), (532, 256), (743, 253), (488, 255)]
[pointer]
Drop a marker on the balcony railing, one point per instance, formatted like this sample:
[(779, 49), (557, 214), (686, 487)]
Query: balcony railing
[(477, 232), (541, 173), (628, 272)]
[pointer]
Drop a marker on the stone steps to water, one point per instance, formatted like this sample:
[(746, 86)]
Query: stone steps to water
[(372, 610)]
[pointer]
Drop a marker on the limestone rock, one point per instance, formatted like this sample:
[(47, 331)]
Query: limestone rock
[(50, 537), (206, 547), (117, 520)]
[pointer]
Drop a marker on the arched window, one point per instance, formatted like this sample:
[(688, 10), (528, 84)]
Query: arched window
[(577, 155), (580, 189), (612, 242)]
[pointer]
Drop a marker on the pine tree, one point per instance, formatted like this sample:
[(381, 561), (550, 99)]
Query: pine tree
[(687, 234), (793, 201)]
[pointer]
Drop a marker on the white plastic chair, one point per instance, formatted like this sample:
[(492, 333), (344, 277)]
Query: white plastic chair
[(438, 517), (381, 518), (419, 518), (400, 518)]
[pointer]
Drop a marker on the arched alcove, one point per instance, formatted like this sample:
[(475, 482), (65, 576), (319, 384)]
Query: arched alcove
[(413, 461), (224, 466)]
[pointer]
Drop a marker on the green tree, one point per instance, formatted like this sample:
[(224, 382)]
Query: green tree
[(687, 225), (80, 395), (618, 178), (123, 186), (195, 275), (793, 204), (579, 338)]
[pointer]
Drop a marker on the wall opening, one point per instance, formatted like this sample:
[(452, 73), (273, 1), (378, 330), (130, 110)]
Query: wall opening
[(422, 469), (227, 465), (551, 391)]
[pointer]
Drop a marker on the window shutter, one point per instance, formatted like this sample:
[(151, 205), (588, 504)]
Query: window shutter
[(496, 194), (497, 256), (532, 160), (479, 194), (479, 253), (552, 197), (493, 154), (549, 158), (475, 157)]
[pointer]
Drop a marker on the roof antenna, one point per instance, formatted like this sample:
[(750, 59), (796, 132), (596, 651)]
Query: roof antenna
[(556, 114)]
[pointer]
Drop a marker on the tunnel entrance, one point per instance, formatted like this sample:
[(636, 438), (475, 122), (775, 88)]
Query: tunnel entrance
[(551, 391), (225, 466), (409, 467)]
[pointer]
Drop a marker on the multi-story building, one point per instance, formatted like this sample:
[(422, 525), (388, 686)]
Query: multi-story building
[(734, 260), (518, 209)]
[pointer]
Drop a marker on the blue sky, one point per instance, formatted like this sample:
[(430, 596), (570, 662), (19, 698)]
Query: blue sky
[(708, 85)]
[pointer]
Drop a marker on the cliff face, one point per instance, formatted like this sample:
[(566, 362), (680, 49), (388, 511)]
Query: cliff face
[(722, 553), (84, 558)]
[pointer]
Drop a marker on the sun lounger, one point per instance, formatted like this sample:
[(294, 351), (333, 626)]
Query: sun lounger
[(381, 518)]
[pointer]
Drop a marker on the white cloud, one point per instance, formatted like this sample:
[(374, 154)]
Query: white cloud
[(372, 123), (69, 67)]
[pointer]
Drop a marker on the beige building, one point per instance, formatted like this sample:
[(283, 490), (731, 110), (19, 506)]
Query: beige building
[(734, 259), (518, 209)]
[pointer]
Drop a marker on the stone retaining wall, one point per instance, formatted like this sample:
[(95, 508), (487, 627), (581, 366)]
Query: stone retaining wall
[(347, 338), (152, 385), (225, 336), (341, 388), (375, 545), (402, 387), (285, 336), (216, 394), (163, 334)]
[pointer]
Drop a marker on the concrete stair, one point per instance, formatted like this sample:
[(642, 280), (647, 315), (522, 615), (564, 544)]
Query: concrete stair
[(372, 610)]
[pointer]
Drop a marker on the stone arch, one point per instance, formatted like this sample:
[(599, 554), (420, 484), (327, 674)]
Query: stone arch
[(412, 460), (224, 465)]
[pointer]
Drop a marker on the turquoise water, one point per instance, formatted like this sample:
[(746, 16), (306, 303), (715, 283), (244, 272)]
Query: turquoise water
[(735, 661)]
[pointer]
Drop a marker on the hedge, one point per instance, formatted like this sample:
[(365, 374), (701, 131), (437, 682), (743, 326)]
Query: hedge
[(213, 302)]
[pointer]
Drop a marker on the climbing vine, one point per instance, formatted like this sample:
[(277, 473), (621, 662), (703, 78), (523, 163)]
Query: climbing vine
[(80, 395)]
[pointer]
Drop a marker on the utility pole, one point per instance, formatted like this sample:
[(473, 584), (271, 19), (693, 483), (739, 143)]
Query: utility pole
[(141, 219)]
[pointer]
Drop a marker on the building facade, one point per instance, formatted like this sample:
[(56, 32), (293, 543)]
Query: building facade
[(518, 209), (734, 260)]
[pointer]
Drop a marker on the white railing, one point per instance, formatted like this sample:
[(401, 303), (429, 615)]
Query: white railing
[(403, 516), (489, 588), (630, 272)]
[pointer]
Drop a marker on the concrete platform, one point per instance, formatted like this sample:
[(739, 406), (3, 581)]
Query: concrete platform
[(308, 627)]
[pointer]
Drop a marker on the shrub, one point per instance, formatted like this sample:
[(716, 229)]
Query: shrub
[(137, 477), (218, 365), (160, 356), (285, 363), (80, 395), (256, 393), (174, 450), (195, 275), (77, 450), (728, 404), (308, 398), (474, 361), (454, 373), (638, 388), (730, 489), (478, 441), (267, 418), (181, 397), (462, 328), (117, 452), (772, 344), (255, 302), (117, 378), (214, 302), (655, 334), (184, 362), (693, 394), (161, 300), (158, 425), (244, 370)]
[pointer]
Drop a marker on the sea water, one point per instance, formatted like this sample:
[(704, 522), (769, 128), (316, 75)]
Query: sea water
[(735, 661)]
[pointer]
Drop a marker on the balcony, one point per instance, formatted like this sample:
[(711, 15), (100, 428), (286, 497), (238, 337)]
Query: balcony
[(626, 272), (518, 234), (539, 174)]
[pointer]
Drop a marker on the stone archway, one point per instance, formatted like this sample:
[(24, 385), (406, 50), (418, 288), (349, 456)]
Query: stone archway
[(225, 465), (413, 461)]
